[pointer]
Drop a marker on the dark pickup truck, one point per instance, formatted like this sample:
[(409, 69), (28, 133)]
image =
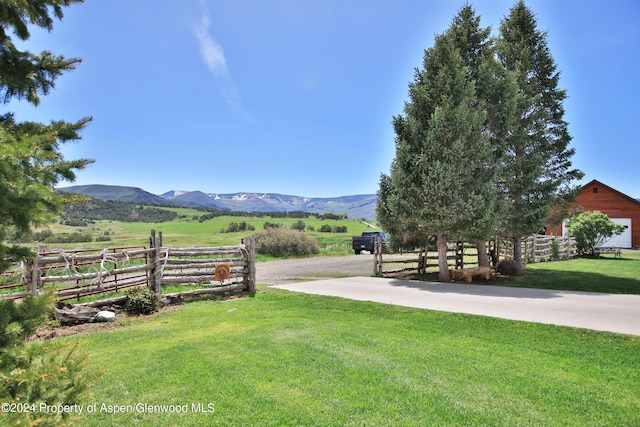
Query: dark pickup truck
[(367, 241)]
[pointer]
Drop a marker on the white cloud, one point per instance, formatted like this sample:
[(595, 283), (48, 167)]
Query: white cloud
[(212, 54)]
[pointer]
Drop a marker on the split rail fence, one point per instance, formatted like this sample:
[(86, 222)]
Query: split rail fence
[(80, 273), (536, 248)]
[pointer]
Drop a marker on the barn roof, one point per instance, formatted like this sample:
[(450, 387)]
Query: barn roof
[(596, 182)]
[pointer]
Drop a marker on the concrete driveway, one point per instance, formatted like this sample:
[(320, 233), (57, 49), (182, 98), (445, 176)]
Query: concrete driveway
[(602, 312)]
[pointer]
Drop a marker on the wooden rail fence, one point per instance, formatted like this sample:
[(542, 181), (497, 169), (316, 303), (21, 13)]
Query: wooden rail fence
[(536, 248), (78, 273)]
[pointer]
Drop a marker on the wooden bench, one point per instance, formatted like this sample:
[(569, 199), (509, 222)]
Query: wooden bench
[(601, 250), (467, 274)]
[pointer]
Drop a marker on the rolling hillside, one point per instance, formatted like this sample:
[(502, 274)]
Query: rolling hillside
[(358, 206)]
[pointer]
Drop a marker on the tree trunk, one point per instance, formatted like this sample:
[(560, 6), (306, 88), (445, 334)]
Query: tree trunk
[(443, 265), (483, 259), (517, 252)]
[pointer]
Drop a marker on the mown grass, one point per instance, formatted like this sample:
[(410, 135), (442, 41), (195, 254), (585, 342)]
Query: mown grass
[(607, 274), (283, 358)]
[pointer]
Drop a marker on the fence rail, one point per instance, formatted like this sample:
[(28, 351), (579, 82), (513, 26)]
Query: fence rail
[(75, 274), (535, 248)]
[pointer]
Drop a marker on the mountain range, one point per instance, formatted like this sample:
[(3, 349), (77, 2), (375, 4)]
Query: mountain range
[(358, 206)]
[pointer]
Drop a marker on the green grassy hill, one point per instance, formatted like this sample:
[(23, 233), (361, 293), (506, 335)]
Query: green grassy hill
[(186, 230)]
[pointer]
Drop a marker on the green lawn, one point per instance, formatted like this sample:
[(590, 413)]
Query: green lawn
[(283, 358), (607, 274)]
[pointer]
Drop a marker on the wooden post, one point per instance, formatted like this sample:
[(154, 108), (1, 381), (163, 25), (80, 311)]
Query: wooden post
[(378, 249), (157, 289), (459, 253), (375, 258), (534, 245), (250, 278), (421, 261), (34, 276), (151, 274)]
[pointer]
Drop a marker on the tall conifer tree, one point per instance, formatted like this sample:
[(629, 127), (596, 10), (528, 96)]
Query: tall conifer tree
[(441, 181), (495, 91), (537, 172), (31, 163)]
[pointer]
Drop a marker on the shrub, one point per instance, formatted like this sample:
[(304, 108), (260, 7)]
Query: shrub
[(41, 236), (141, 301), (69, 238), (555, 250), (280, 242), (591, 229), (325, 228), (234, 227), (298, 225)]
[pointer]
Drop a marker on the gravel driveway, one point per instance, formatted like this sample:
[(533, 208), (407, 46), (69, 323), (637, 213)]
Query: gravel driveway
[(294, 270)]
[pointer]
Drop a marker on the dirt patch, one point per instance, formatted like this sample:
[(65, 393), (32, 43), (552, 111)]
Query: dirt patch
[(53, 330)]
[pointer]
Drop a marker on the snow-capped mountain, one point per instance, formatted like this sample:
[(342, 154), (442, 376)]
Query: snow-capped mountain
[(359, 206)]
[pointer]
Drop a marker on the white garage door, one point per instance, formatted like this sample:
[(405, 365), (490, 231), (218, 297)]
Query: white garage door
[(623, 240)]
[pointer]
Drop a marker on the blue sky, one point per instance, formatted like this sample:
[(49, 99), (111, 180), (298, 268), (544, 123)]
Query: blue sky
[(296, 97)]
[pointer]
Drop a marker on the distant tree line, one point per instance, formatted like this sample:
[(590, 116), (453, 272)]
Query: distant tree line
[(213, 213), (79, 214)]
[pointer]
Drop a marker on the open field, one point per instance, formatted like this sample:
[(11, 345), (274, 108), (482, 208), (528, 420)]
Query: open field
[(187, 231), (283, 358)]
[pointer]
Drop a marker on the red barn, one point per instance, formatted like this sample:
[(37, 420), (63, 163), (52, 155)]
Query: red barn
[(622, 209)]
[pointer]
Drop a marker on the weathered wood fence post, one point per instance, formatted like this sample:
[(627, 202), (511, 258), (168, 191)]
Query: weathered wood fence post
[(33, 275), (375, 258), (155, 272), (459, 253), (378, 249), (250, 278)]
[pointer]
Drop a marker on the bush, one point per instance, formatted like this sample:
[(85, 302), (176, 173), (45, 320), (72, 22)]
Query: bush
[(234, 227), (69, 238), (592, 229), (325, 228), (280, 242), (43, 235), (141, 301), (298, 225)]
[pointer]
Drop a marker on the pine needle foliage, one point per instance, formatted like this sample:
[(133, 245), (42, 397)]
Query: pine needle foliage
[(31, 162), (34, 378)]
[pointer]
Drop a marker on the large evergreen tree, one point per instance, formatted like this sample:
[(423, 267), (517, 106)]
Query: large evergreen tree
[(495, 91), (30, 160), (441, 181), (537, 173), (30, 165)]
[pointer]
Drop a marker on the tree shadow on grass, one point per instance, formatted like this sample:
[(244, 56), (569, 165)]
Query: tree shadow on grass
[(551, 280), (575, 281), (476, 289)]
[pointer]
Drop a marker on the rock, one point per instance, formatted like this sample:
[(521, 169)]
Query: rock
[(509, 268), (105, 316)]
